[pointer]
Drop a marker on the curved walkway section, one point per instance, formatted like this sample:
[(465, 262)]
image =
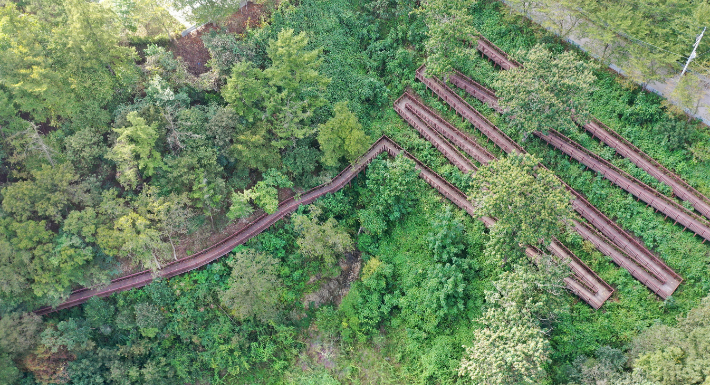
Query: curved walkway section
[(639, 258), (627, 182), (446, 129), (668, 278), (404, 108)]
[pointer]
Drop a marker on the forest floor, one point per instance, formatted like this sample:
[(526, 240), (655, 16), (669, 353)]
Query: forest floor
[(191, 48)]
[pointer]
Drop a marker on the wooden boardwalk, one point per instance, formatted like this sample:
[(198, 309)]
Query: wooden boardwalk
[(584, 282), (665, 282), (224, 247), (623, 249)]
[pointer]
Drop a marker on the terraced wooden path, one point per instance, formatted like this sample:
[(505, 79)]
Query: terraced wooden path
[(584, 282), (623, 147), (623, 249), (666, 280)]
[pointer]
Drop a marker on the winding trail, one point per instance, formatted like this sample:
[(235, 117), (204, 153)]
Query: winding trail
[(214, 252), (623, 249), (584, 281)]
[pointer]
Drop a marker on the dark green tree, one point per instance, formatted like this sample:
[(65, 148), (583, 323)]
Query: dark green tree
[(391, 192), (342, 137), (318, 240)]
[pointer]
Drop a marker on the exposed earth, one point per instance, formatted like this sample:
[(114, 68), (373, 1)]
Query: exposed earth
[(191, 49)]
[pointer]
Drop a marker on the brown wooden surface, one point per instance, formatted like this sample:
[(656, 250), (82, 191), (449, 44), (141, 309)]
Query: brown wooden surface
[(584, 282), (643, 258)]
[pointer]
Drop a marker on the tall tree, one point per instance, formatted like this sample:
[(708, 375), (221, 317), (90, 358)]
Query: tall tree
[(511, 348), (529, 202), (246, 90), (391, 192), (47, 195), (448, 23), (146, 18), (135, 150), (63, 59), (676, 354), (208, 11), (19, 332), (298, 85), (254, 289), (546, 92), (264, 194), (342, 137), (318, 240), (687, 95)]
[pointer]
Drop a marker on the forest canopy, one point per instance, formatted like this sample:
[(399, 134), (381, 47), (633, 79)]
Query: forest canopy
[(125, 146)]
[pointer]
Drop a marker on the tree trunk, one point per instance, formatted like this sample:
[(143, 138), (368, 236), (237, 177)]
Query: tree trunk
[(156, 261), (173, 245)]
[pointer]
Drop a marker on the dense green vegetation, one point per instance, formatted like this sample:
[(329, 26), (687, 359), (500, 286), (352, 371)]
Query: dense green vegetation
[(111, 164)]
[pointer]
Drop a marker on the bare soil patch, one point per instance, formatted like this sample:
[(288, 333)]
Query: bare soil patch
[(332, 290), (191, 48)]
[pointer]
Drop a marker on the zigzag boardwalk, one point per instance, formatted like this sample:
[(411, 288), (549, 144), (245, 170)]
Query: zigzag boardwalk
[(444, 128), (667, 280), (585, 283), (627, 182), (638, 260), (404, 109), (612, 139), (469, 113), (626, 149)]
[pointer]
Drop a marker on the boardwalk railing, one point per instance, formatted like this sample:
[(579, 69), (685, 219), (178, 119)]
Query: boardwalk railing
[(636, 258), (634, 249), (621, 178), (681, 188), (585, 283), (626, 149)]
